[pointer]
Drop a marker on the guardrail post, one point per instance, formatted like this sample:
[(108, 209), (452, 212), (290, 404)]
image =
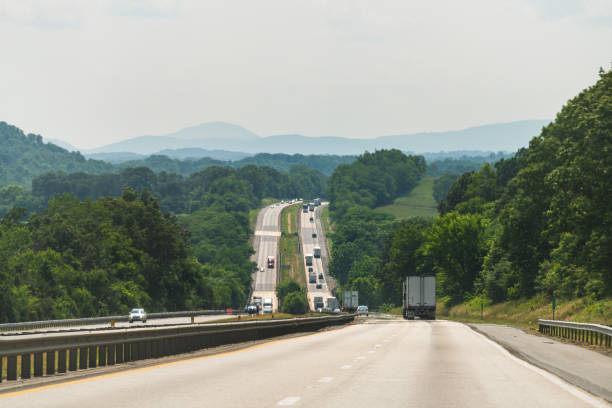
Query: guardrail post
[(50, 357), (38, 364), (25, 366), (11, 368), (83, 357), (72, 359), (102, 355)]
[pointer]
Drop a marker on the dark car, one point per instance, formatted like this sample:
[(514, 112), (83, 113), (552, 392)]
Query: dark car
[(320, 276), (314, 235), (319, 286), (251, 309), (309, 269)]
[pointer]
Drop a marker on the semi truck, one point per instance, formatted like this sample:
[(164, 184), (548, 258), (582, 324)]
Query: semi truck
[(270, 262), (317, 202), (332, 304), (308, 259), (350, 300), (317, 252), (312, 277), (419, 297), (318, 303)]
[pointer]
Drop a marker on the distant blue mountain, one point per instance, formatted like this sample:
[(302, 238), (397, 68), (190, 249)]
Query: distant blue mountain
[(224, 136)]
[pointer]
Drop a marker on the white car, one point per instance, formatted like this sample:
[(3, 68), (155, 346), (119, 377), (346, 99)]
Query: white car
[(267, 309), (261, 269), (137, 314), (362, 310)]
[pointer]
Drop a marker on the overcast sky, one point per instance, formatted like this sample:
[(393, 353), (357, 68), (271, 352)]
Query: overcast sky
[(95, 72)]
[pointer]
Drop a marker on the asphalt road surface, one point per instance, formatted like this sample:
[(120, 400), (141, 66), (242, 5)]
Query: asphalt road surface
[(382, 364), (267, 233), (308, 228), (150, 322)]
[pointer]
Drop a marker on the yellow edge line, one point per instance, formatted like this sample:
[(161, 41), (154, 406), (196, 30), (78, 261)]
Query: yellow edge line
[(137, 370)]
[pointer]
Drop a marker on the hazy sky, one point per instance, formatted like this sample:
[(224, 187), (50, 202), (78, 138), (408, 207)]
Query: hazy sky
[(95, 72)]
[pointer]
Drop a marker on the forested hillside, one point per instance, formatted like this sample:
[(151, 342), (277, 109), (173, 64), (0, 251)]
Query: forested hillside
[(23, 157), (537, 223), (109, 242), (355, 189)]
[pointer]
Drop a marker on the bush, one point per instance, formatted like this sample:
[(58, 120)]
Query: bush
[(295, 303)]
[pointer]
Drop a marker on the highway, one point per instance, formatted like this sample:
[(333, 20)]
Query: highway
[(150, 322), (391, 363), (310, 239), (267, 233)]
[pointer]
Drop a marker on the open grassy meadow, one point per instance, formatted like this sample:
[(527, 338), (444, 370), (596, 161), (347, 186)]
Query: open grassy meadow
[(419, 203)]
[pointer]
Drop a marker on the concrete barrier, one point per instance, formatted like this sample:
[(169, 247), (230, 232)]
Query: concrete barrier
[(72, 351)]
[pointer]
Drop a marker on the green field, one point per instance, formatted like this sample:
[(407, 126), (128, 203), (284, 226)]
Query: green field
[(419, 203)]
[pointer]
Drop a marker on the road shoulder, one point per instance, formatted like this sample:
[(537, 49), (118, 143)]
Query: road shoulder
[(584, 368)]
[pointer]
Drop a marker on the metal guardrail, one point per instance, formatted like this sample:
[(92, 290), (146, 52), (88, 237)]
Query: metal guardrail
[(583, 332), (100, 320), (39, 356)]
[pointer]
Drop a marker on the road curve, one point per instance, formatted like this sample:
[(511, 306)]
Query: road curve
[(377, 364)]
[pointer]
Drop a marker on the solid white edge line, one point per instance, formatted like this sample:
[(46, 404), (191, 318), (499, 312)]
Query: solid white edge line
[(570, 388)]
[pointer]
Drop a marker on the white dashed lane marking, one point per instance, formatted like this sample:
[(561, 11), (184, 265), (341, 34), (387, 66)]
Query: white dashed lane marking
[(285, 402), (326, 379), (346, 367)]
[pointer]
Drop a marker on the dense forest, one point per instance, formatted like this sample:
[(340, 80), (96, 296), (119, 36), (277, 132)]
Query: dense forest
[(23, 157), (174, 192), (539, 222), (101, 244)]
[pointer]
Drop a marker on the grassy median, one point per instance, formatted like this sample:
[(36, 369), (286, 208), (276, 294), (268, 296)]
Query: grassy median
[(292, 267)]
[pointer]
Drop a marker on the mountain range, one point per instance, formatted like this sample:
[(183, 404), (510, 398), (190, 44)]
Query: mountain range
[(224, 138)]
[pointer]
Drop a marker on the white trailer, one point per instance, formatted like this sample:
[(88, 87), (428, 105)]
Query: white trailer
[(350, 300), (419, 297)]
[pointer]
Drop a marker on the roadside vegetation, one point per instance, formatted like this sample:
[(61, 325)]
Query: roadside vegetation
[(526, 312), (535, 226)]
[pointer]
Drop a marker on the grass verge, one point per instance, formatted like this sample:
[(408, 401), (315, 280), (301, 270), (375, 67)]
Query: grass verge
[(292, 266), (526, 312), (327, 225), (419, 203)]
